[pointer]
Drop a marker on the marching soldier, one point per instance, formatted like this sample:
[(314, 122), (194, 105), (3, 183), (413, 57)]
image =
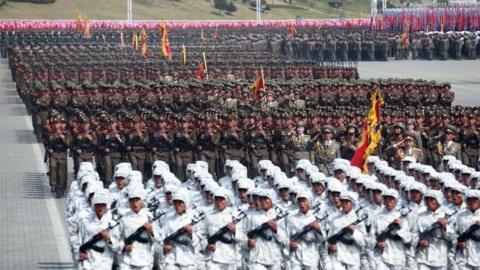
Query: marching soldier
[(84, 145), (136, 143), (184, 142), (232, 142), (111, 145), (257, 140), (58, 142), (207, 143), (161, 142)]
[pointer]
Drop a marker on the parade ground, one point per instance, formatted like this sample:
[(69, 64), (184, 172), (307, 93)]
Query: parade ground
[(32, 230)]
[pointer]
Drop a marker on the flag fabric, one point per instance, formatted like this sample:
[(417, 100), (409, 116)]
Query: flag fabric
[(184, 55), (86, 27), (258, 86), (372, 133), (143, 43), (78, 22), (200, 72), (135, 41), (292, 31), (405, 40), (122, 38), (167, 53)]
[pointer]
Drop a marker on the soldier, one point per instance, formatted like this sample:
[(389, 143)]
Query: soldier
[(232, 142), (84, 145), (257, 140), (206, 150), (136, 143), (58, 141), (111, 145), (445, 145), (161, 142), (184, 143), (404, 148), (300, 143), (325, 149)]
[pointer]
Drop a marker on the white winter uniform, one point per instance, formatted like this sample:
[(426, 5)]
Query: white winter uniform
[(266, 253), (306, 255), (102, 255), (468, 258), (347, 256), (393, 255), (435, 255)]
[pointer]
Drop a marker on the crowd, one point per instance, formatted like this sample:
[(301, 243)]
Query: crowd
[(245, 164)]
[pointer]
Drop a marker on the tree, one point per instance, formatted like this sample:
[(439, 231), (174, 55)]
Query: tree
[(231, 7), (221, 4)]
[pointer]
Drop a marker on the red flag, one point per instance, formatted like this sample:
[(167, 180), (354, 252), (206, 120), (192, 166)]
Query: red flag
[(292, 31), (199, 74), (372, 133), (359, 159), (167, 53), (258, 85)]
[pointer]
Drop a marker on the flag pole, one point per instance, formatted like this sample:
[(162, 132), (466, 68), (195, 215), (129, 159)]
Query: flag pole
[(205, 64)]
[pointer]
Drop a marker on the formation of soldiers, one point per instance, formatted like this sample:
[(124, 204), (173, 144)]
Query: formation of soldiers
[(415, 217), (318, 44), (175, 171)]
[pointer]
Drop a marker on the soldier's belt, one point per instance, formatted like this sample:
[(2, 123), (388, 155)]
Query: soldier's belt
[(137, 149)]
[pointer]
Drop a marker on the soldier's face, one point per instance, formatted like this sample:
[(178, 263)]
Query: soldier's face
[(283, 192), (158, 181), (136, 204), (303, 205), (416, 196), (347, 206), (431, 204), (327, 136), (473, 204), (121, 182), (339, 174), (242, 194), (377, 196), (100, 209), (389, 203), (220, 203), (179, 207), (457, 197), (335, 198), (265, 203), (318, 188)]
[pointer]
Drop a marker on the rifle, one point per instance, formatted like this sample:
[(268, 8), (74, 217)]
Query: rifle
[(388, 232), (470, 234), (174, 236), (299, 235), (90, 244), (260, 229), (136, 235), (428, 233), (219, 235), (340, 235)]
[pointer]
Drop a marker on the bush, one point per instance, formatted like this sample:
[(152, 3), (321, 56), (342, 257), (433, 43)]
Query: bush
[(221, 4), (231, 7)]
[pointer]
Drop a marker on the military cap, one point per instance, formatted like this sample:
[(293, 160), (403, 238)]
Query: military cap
[(327, 129), (451, 129)]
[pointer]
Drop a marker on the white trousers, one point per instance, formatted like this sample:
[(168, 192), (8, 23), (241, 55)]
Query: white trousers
[(211, 265), (258, 266)]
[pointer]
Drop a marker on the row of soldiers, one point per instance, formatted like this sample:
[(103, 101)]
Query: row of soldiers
[(319, 44), (410, 218), (212, 136)]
